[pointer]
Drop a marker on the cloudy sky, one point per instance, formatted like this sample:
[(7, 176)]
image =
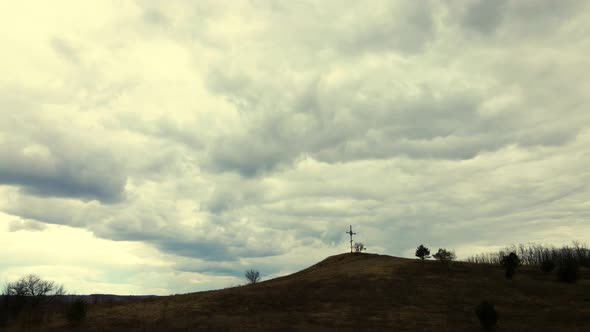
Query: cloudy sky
[(158, 147)]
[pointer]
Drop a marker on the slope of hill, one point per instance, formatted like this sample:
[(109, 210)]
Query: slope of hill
[(363, 292)]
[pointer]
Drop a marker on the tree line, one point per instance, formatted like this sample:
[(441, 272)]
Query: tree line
[(536, 254)]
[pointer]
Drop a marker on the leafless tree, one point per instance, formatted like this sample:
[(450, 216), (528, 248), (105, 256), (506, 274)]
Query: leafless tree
[(252, 276), (32, 286), (536, 254)]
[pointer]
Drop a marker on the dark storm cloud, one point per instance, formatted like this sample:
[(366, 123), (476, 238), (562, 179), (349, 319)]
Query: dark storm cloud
[(405, 29), (224, 198), (218, 239), (206, 242), (64, 184), (519, 20), (55, 156), (54, 172), (331, 125), (485, 16), (250, 155)]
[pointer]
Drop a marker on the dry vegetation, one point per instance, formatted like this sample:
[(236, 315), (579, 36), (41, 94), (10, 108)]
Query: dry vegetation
[(536, 254), (362, 292)]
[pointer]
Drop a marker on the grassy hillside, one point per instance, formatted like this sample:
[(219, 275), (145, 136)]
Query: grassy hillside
[(363, 292)]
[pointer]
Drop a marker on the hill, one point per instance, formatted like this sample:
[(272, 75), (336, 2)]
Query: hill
[(362, 292)]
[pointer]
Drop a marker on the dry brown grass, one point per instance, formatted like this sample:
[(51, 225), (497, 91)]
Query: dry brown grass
[(363, 292)]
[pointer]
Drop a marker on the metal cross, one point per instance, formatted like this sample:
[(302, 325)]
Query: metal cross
[(351, 234)]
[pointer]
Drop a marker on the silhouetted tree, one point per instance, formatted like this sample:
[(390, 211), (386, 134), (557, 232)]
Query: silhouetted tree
[(510, 262), (445, 256), (359, 247), (535, 254), (34, 288), (487, 315), (252, 276), (422, 252), (29, 295)]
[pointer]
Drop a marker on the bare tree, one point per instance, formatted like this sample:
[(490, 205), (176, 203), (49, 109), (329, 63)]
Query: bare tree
[(32, 286), (252, 276), (538, 254)]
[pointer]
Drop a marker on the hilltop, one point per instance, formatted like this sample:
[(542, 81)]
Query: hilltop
[(363, 292)]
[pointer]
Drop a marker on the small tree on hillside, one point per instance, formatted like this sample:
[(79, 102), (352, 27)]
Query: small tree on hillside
[(444, 256), (359, 247), (252, 276), (422, 252), (510, 263)]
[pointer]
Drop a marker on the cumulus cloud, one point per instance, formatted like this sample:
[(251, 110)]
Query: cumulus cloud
[(226, 137), (45, 160)]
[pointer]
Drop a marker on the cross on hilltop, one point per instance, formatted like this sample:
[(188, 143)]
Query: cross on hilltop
[(351, 234)]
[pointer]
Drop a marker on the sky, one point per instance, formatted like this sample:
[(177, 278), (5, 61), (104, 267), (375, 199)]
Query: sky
[(163, 147)]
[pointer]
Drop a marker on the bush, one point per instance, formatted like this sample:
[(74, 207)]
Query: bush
[(443, 255), (510, 263), (422, 252), (252, 276), (547, 266), (77, 311), (487, 315), (568, 271), (33, 287), (359, 247)]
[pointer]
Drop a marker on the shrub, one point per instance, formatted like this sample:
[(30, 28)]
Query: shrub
[(422, 252), (510, 263), (252, 276), (77, 311), (33, 287), (359, 247), (547, 266), (443, 255), (487, 315), (568, 271)]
